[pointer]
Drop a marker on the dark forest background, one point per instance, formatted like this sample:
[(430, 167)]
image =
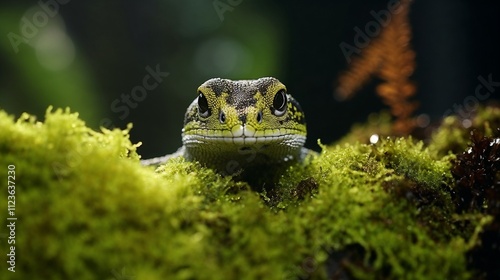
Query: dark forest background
[(89, 53)]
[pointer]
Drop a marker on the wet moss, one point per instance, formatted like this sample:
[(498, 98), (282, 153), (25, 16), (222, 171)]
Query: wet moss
[(452, 136), (87, 209)]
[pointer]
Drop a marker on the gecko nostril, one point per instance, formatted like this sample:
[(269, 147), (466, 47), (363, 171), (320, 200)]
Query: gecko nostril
[(222, 117), (259, 117)]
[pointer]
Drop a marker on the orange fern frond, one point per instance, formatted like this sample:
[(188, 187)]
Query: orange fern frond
[(389, 57), (360, 71)]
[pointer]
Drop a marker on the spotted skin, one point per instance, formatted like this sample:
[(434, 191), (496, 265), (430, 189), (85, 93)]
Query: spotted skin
[(235, 126)]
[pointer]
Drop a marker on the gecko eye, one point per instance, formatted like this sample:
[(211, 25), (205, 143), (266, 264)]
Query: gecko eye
[(203, 109), (279, 103)]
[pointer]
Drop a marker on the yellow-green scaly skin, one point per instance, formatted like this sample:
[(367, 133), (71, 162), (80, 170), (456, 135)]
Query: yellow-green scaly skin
[(240, 128)]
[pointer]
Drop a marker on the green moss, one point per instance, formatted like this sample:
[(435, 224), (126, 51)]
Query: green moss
[(453, 136), (87, 209), (377, 124)]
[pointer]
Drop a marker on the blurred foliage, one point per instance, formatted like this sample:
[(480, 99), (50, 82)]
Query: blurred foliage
[(358, 210), (42, 70), (87, 58), (378, 211)]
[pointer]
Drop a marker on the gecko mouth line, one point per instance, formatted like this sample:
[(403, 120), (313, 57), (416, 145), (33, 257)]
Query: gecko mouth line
[(244, 140)]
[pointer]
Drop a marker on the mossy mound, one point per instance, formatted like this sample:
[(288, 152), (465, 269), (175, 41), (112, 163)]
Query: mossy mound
[(87, 209)]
